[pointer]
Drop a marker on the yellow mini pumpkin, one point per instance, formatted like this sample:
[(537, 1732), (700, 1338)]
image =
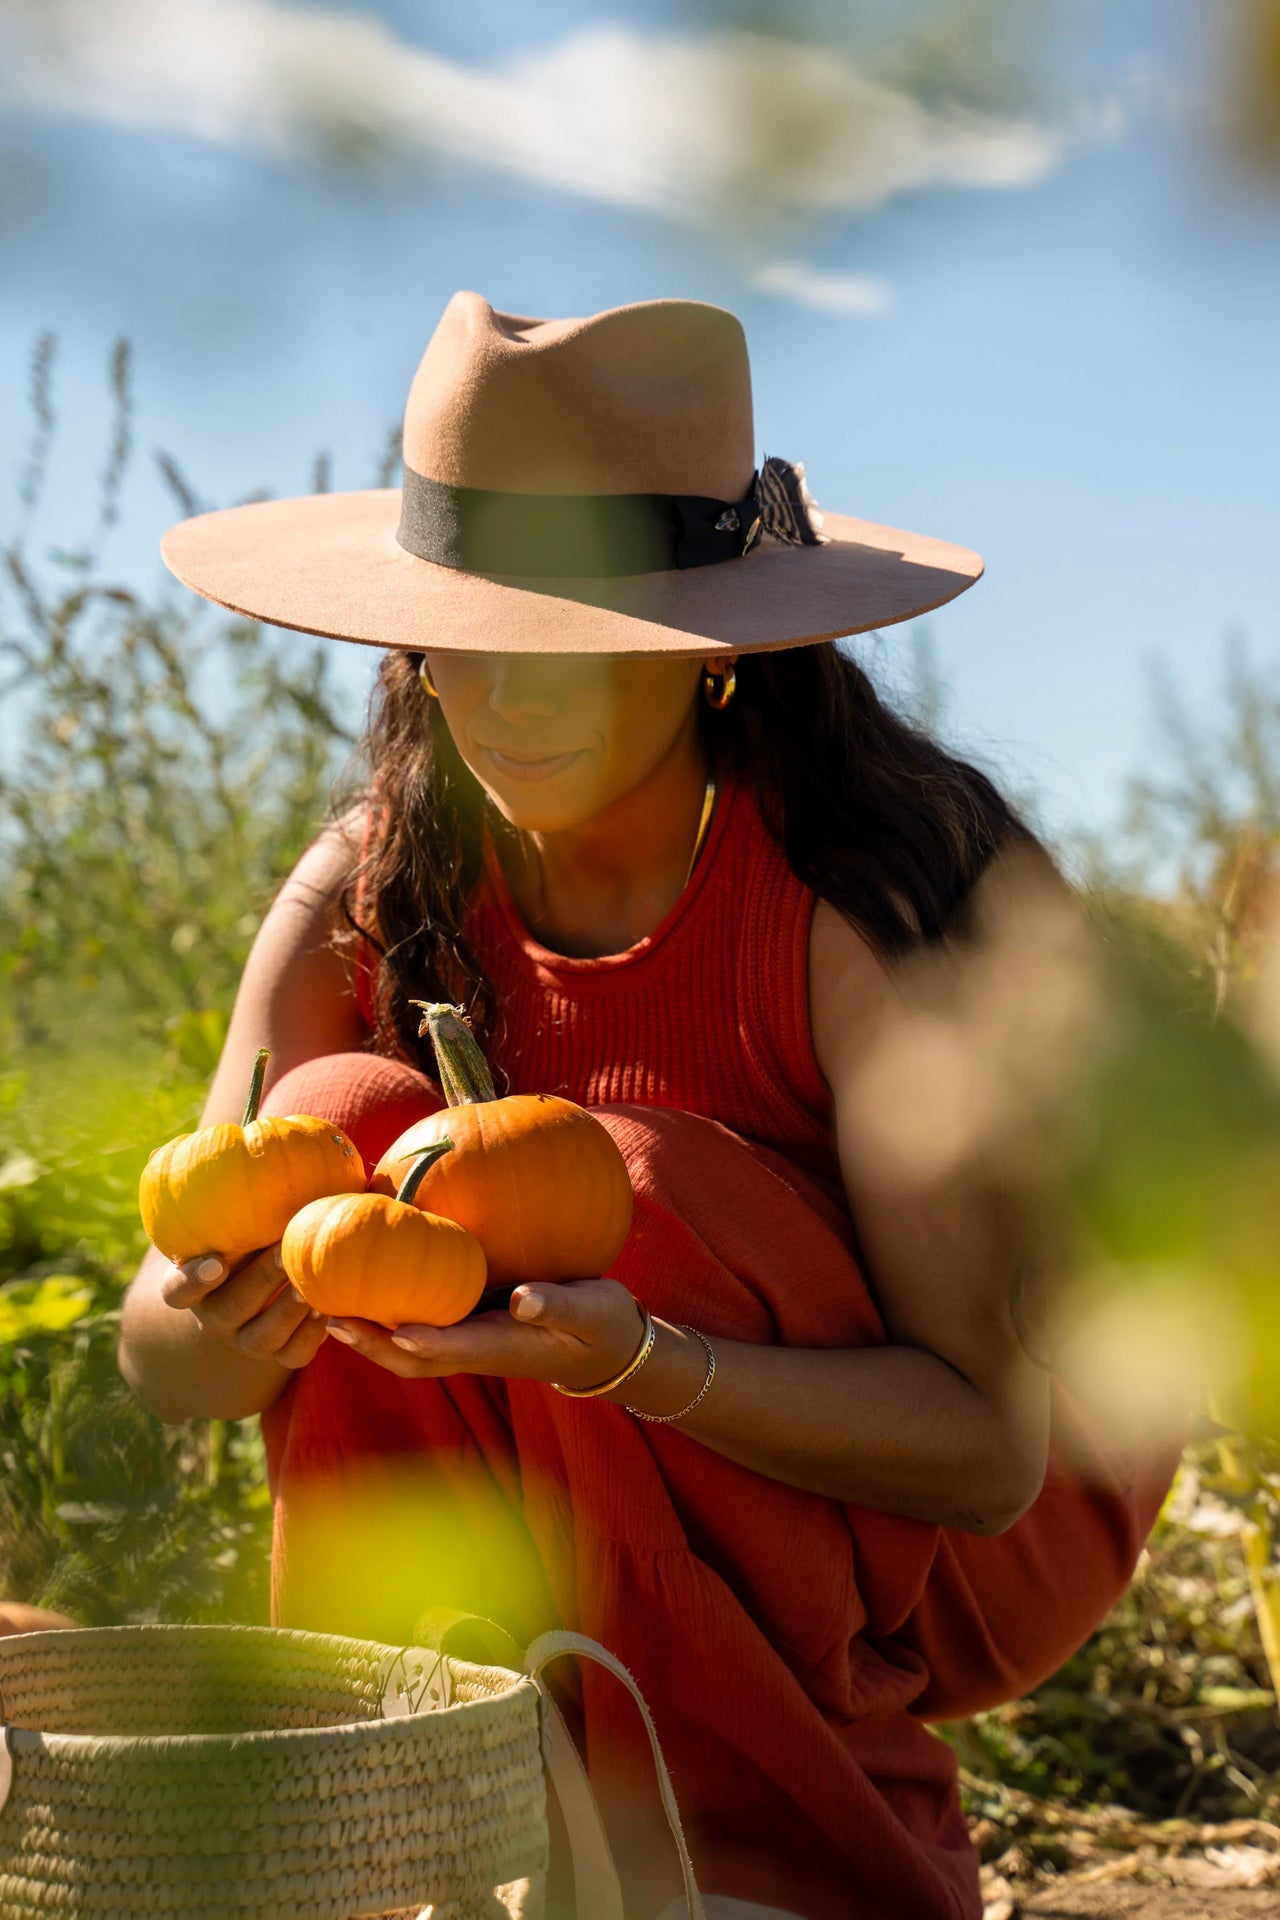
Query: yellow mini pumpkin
[(231, 1189), (385, 1259), (539, 1182)]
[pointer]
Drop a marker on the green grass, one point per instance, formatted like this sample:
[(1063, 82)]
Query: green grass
[(105, 1513)]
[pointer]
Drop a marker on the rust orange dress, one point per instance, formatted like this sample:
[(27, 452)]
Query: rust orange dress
[(791, 1647)]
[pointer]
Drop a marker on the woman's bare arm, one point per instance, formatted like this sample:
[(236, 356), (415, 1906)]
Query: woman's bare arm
[(950, 1420), (226, 1348)]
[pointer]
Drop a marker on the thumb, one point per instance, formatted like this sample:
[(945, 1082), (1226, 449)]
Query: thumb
[(531, 1304), (559, 1306)]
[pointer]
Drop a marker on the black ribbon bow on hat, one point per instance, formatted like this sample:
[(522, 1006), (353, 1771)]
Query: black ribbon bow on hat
[(479, 530), (778, 502)]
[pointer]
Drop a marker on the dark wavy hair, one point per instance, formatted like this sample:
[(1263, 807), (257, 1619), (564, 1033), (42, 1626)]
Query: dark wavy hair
[(870, 811)]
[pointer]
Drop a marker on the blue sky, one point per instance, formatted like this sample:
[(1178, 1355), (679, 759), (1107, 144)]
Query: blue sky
[(1016, 300)]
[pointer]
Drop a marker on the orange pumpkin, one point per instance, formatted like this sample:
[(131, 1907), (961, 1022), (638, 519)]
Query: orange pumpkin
[(538, 1181), (232, 1189), (385, 1260)]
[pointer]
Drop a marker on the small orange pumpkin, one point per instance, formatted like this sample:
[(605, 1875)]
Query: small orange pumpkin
[(232, 1189), (385, 1260), (539, 1182)]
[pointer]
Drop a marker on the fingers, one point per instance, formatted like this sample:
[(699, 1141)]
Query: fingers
[(576, 1331), (223, 1308), (263, 1334), (184, 1284), (491, 1343), (253, 1309), (304, 1343), (376, 1344)]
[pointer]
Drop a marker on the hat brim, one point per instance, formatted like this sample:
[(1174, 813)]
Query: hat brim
[(329, 564)]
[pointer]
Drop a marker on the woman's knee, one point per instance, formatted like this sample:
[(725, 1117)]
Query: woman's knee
[(373, 1099)]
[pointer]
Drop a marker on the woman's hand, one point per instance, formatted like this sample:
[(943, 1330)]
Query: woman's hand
[(575, 1333), (251, 1308)]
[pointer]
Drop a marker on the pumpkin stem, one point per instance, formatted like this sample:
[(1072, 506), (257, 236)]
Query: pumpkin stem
[(255, 1086), (461, 1067), (427, 1158)]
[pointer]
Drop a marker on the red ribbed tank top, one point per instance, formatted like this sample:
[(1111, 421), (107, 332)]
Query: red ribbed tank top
[(709, 1012)]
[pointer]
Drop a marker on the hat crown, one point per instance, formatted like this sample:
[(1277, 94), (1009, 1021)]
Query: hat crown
[(649, 398)]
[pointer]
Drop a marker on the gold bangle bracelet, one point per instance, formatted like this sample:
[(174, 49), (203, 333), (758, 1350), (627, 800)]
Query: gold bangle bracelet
[(665, 1419), (647, 1338)]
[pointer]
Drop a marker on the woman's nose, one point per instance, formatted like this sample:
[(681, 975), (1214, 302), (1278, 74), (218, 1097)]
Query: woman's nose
[(527, 687)]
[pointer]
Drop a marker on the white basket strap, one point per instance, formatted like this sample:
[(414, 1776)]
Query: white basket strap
[(548, 1647), (596, 1886), (6, 1768)]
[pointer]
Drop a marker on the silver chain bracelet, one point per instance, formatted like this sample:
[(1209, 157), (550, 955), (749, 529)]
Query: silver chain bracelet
[(665, 1419)]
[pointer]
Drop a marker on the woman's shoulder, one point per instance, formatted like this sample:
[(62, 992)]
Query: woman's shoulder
[(854, 988), (347, 834), (850, 991), (311, 910), (296, 995)]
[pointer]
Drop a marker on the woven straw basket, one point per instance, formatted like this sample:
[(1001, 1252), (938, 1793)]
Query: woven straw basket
[(247, 1773)]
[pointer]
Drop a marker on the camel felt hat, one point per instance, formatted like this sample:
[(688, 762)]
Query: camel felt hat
[(573, 486)]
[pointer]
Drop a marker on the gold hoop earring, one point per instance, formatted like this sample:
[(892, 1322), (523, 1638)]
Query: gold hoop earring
[(728, 681), (425, 678)]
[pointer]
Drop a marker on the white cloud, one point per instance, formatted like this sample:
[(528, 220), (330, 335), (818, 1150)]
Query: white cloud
[(690, 126), (851, 293)]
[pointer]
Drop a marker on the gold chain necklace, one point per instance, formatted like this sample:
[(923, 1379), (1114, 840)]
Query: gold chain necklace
[(708, 802)]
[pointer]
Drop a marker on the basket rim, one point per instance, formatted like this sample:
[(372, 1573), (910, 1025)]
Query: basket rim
[(202, 1630), (107, 1745)]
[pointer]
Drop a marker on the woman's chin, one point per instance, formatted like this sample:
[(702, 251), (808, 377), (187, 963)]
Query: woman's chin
[(551, 807), (555, 804)]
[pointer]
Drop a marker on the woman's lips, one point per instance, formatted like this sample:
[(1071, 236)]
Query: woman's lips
[(526, 769)]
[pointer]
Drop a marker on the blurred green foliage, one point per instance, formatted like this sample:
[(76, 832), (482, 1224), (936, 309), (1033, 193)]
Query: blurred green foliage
[(1171, 1706), (1168, 1709)]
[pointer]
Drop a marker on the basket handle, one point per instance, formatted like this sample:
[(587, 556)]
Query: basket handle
[(550, 1646), (597, 1889)]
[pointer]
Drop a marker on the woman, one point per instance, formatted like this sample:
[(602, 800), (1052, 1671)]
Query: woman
[(631, 810)]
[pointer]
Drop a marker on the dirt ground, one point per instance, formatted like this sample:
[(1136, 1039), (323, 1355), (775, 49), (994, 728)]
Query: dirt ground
[(1076, 1900), (1060, 1863), (1140, 1887)]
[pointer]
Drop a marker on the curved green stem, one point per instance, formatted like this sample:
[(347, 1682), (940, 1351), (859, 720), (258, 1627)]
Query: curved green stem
[(255, 1086), (461, 1067), (427, 1157)]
